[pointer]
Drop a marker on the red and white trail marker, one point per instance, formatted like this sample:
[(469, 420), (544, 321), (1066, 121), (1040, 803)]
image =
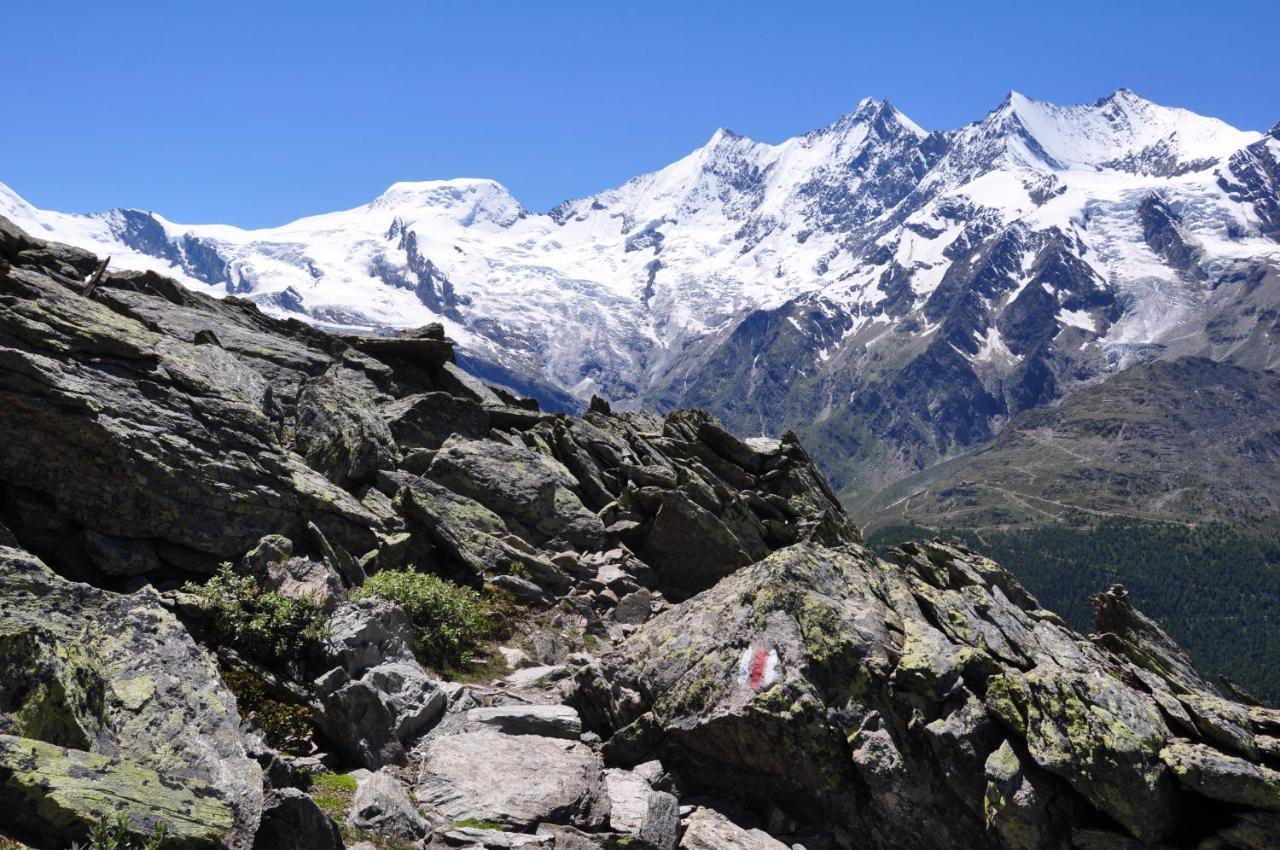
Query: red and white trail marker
[(758, 667)]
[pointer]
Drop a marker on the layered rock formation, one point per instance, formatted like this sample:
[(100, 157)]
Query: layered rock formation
[(704, 652)]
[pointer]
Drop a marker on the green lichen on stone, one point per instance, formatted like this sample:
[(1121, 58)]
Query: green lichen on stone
[(67, 791), (1006, 699), (56, 687)]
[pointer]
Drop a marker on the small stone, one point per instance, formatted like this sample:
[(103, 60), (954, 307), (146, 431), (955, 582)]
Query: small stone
[(634, 608), (382, 805)]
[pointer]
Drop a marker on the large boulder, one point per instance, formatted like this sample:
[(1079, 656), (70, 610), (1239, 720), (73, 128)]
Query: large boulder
[(291, 820), (531, 491), (376, 697), (517, 781), (382, 805), (475, 541), (928, 703), (427, 420), (52, 793), (108, 691), (707, 829), (549, 721)]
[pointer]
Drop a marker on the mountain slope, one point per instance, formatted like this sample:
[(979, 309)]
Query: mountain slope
[(892, 294), (1184, 441)]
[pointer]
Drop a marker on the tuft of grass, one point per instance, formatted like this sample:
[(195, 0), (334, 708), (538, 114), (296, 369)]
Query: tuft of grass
[(117, 834), (476, 823), (333, 793)]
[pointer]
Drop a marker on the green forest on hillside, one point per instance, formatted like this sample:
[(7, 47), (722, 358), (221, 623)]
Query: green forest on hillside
[(1184, 577)]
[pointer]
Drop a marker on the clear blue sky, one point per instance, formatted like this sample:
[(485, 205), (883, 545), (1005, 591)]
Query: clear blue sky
[(257, 113)]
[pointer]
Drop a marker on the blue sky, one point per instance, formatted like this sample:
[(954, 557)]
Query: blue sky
[(232, 113)]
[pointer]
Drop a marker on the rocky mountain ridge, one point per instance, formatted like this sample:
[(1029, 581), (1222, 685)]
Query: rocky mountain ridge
[(705, 653), (893, 295)]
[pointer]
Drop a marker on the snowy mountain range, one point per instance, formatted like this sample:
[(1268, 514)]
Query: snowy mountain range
[(891, 293)]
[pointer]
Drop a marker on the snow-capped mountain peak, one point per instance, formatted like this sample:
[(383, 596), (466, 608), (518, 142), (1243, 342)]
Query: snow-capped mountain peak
[(467, 201), (1121, 132)]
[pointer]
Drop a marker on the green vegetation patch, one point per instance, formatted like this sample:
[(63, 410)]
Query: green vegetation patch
[(117, 834), (476, 823), (263, 624), (450, 621)]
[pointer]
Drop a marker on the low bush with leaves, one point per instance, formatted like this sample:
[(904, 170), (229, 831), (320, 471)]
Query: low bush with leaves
[(449, 621), (264, 624), (118, 835)]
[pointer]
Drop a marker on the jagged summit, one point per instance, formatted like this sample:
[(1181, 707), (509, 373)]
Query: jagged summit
[(1122, 131)]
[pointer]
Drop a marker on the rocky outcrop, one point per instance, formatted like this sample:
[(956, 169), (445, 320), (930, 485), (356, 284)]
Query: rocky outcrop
[(927, 703), (127, 443), (374, 697)]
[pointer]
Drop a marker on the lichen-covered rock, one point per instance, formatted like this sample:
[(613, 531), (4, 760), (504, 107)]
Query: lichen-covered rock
[(1020, 804), (339, 428), (138, 446), (427, 420), (533, 490), (117, 677), (927, 703), (1223, 777), (51, 793)]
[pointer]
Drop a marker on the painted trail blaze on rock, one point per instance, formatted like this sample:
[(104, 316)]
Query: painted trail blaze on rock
[(758, 667)]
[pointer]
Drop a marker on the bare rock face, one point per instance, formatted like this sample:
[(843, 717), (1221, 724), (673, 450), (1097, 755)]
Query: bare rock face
[(518, 781), (339, 428), (928, 703)]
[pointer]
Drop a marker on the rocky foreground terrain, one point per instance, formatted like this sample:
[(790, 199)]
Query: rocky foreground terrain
[(698, 650)]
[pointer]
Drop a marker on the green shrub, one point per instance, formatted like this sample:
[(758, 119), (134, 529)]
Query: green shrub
[(449, 620), (264, 624), (286, 726), (116, 835)]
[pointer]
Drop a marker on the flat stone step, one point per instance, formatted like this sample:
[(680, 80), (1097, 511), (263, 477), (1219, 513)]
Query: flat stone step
[(549, 721)]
